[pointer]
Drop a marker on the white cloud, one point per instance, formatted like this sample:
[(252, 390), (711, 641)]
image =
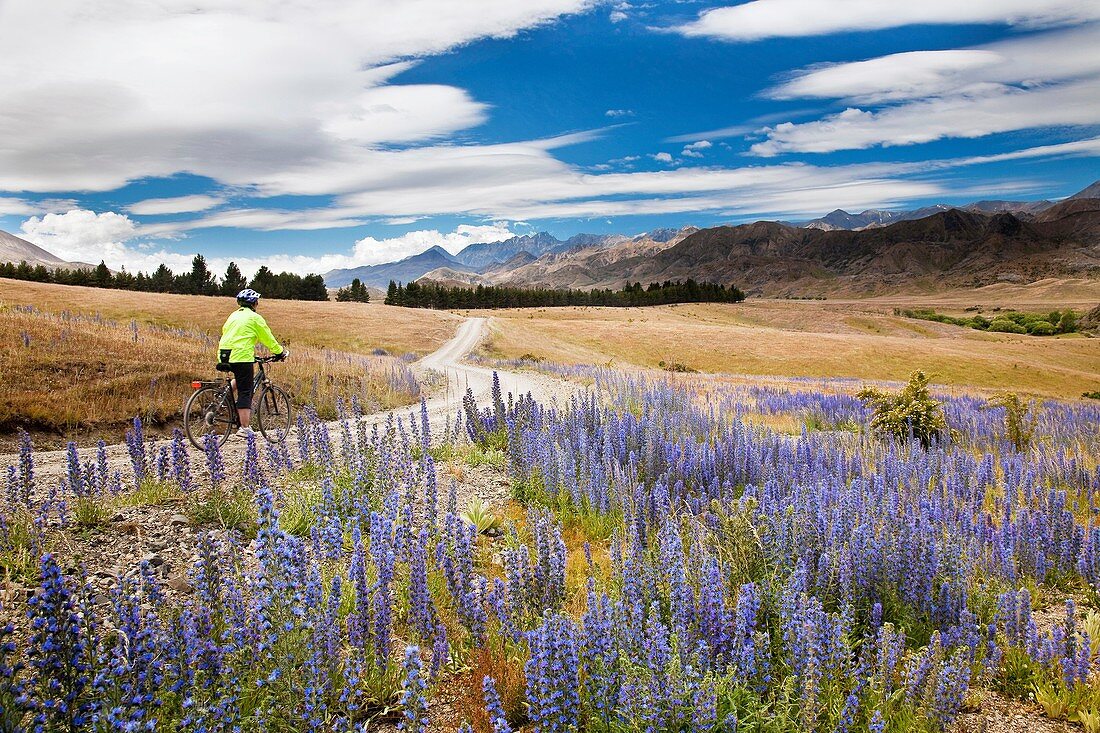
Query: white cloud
[(86, 236), (229, 89), (898, 76), (370, 251), (82, 235), (970, 116), (1027, 62), (692, 150), (662, 157), (619, 13), (175, 205), (14, 206), (619, 113), (1045, 80), (794, 18)]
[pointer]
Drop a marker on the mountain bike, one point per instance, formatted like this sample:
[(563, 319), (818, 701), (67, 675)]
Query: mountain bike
[(211, 409)]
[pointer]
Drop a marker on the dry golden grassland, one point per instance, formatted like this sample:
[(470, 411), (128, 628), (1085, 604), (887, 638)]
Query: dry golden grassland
[(83, 377), (852, 338), (351, 327)]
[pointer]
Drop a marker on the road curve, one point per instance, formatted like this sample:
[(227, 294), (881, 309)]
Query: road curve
[(443, 402)]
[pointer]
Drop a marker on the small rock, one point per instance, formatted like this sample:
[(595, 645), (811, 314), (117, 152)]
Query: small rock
[(179, 583), (153, 559), (179, 520), (158, 546)]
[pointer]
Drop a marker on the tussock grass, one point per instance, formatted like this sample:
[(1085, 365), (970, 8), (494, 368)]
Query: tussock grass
[(69, 374)]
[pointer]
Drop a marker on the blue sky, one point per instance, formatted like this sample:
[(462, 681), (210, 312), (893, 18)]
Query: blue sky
[(313, 135)]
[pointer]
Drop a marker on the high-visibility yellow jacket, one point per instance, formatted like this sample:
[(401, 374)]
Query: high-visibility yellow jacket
[(242, 330)]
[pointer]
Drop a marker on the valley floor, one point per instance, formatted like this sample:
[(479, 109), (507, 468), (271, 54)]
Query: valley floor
[(860, 339)]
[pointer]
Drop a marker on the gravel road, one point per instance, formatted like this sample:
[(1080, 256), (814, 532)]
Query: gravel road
[(443, 401)]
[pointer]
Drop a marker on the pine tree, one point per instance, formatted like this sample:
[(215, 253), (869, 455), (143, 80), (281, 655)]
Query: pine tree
[(201, 280), (102, 275), (234, 281)]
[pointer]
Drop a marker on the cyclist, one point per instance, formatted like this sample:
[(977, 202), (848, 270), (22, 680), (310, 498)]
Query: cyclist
[(237, 350)]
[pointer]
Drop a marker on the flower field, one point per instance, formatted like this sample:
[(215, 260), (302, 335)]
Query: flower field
[(671, 563)]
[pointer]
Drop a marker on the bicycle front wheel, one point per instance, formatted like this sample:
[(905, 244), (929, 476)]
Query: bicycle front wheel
[(273, 413), (207, 411)]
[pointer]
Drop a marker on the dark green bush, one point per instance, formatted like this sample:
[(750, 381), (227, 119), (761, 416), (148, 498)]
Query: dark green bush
[(911, 412)]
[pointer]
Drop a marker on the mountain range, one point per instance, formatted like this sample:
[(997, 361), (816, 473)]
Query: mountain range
[(872, 251)]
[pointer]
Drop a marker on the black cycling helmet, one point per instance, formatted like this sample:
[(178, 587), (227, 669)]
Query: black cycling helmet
[(248, 298)]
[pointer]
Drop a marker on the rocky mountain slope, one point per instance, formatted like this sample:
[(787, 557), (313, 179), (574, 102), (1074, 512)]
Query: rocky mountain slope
[(949, 248), (873, 251), (404, 271), (582, 267)]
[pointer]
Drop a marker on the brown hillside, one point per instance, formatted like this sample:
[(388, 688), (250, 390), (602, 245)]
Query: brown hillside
[(953, 248)]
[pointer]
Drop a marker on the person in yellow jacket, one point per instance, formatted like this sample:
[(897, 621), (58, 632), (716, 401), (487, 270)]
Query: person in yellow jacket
[(237, 349)]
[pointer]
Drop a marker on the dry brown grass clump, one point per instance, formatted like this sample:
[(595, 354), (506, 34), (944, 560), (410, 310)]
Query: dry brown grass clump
[(351, 327), (511, 683), (72, 374)]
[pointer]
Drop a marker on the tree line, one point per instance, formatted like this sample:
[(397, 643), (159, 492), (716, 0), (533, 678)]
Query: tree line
[(355, 293), (434, 295), (199, 281)]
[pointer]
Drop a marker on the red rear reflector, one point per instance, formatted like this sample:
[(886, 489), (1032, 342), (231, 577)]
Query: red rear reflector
[(196, 385)]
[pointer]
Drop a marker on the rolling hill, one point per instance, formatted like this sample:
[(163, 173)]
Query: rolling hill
[(16, 250)]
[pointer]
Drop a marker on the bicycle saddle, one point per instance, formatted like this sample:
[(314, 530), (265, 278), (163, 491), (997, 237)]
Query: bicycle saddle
[(224, 368)]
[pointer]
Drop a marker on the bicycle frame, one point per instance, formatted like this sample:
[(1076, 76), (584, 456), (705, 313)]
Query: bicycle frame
[(228, 393)]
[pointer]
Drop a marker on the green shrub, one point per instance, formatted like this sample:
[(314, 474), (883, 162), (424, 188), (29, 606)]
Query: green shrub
[(1037, 324), (1041, 328), (1019, 420), (1004, 325), (913, 411)]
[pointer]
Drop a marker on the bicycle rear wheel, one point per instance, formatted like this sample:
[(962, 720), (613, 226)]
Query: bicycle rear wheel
[(207, 411), (273, 415)]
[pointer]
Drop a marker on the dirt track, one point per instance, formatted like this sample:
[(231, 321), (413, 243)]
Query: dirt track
[(443, 402)]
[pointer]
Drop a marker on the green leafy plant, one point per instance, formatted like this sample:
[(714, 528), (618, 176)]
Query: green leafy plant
[(913, 411), (1092, 628), (1089, 720), (152, 492), (227, 509), (478, 514), (298, 511), (1055, 706), (89, 512), (1019, 420)]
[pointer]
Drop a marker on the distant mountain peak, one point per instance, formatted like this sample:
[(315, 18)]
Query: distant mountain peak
[(1092, 191)]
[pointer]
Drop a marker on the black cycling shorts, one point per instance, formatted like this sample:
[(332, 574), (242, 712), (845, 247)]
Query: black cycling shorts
[(244, 373)]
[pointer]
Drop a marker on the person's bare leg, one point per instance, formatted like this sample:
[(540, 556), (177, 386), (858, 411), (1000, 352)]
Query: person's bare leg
[(246, 417)]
